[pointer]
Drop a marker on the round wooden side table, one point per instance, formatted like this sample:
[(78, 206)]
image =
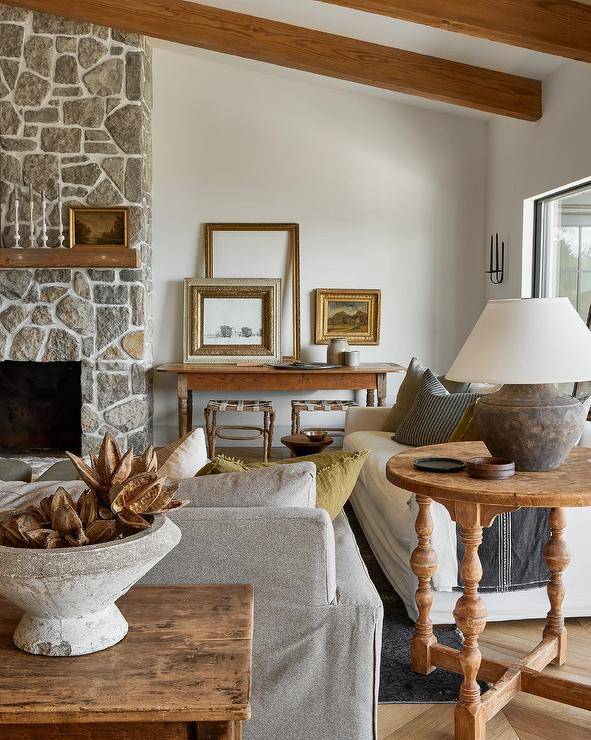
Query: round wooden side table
[(474, 504), (300, 445)]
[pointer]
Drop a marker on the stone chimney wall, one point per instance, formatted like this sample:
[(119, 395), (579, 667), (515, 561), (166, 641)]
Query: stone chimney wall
[(75, 112)]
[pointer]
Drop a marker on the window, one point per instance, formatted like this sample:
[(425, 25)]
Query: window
[(563, 248)]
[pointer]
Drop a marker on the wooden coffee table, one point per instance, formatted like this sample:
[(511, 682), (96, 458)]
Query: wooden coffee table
[(300, 445), (182, 672), (474, 504)]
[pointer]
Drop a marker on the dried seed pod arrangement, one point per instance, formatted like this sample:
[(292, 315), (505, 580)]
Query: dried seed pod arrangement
[(124, 494)]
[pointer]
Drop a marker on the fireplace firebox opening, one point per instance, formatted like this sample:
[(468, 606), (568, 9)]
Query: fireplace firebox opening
[(40, 404)]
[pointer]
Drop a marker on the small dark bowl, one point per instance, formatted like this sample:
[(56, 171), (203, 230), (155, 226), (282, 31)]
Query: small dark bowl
[(490, 468), (315, 435)]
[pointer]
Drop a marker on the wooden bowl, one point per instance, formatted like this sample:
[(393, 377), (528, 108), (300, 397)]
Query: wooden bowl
[(315, 435), (490, 468)]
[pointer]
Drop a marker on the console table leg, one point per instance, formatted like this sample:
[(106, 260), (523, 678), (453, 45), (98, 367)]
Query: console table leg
[(557, 557), (189, 411), (470, 616), (424, 565), (183, 398), (371, 397), (382, 389)]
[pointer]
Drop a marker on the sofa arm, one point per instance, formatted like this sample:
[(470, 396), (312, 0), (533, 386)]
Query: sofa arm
[(287, 554), (366, 419)]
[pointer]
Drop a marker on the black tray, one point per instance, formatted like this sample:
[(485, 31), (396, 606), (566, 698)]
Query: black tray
[(440, 465), (304, 366)]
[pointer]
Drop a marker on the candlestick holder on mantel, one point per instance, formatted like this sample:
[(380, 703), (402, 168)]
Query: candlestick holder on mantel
[(496, 271), (20, 238)]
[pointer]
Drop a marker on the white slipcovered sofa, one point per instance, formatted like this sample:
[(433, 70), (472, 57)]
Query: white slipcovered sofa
[(387, 515)]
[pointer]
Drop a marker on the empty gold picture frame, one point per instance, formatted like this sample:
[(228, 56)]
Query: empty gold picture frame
[(221, 260), (98, 227), (353, 314), (229, 320)]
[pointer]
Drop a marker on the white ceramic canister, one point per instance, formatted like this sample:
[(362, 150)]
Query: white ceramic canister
[(352, 359), (336, 347)]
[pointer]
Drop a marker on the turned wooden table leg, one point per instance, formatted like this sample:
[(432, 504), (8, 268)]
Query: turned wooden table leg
[(189, 411), (382, 389), (470, 616), (183, 399), (370, 397), (424, 565), (557, 557)]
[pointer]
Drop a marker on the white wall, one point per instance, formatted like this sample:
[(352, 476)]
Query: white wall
[(387, 196), (528, 159)]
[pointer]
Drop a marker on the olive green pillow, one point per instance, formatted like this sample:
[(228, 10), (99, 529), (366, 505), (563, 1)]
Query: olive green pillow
[(336, 474), (467, 429)]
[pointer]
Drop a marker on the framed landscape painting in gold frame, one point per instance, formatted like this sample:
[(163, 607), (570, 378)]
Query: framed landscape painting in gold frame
[(252, 249), (98, 227), (353, 314), (232, 320)]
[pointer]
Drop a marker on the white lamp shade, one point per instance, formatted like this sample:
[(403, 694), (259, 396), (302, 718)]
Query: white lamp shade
[(526, 341)]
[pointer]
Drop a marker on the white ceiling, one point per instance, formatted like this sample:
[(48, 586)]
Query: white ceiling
[(390, 32)]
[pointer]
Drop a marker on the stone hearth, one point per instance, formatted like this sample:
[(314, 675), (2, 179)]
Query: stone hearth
[(75, 109)]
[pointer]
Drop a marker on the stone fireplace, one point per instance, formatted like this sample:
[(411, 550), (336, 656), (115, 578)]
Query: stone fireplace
[(75, 109)]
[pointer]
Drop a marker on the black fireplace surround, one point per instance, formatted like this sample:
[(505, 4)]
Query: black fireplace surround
[(40, 405)]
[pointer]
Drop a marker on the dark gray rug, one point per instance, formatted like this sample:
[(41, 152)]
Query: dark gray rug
[(398, 684)]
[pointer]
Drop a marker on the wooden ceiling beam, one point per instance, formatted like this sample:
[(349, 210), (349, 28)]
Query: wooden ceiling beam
[(313, 51), (559, 27)]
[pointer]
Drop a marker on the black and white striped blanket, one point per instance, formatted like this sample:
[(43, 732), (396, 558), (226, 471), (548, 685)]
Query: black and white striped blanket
[(511, 551)]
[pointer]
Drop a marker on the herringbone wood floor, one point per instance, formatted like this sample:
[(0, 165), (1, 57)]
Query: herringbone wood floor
[(526, 717)]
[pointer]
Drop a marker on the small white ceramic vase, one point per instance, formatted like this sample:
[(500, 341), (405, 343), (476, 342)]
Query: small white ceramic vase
[(68, 595), (334, 352)]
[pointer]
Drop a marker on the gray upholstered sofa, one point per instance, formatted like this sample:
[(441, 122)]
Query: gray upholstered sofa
[(318, 617)]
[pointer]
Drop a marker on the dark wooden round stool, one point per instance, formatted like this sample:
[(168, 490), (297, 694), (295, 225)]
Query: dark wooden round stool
[(300, 445)]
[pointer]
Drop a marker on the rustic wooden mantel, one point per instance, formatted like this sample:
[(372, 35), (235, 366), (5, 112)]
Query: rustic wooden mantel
[(77, 257)]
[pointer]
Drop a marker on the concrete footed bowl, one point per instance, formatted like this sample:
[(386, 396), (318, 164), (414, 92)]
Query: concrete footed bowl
[(68, 595)]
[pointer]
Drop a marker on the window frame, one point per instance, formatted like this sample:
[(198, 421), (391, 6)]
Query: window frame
[(539, 229)]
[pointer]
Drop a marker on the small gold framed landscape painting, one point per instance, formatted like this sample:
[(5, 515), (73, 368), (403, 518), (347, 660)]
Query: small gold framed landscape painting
[(354, 314), (98, 227), (229, 320)]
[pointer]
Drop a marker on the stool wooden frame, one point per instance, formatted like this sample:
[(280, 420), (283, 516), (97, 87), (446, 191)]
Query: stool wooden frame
[(474, 504), (319, 406), (214, 431)]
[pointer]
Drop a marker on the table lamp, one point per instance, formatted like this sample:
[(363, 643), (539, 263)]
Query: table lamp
[(528, 345)]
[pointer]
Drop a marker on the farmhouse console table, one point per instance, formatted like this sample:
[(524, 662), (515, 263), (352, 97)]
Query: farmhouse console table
[(474, 504), (237, 378), (181, 673)]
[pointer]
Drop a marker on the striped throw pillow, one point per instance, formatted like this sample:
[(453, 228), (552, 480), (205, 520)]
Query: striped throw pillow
[(434, 415)]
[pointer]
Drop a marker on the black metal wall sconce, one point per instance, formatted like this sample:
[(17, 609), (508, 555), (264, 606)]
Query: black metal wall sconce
[(496, 271)]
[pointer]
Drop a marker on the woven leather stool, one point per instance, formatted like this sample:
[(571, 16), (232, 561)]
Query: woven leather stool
[(298, 406), (215, 431)]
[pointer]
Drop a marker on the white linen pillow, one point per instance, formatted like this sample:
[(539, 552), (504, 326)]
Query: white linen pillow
[(183, 458)]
